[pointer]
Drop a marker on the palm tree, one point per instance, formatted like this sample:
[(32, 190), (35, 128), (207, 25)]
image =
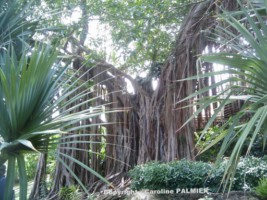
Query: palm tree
[(247, 80), (35, 109), (37, 98)]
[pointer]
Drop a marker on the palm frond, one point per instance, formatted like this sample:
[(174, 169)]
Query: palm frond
[(37, 106), (16, 28), (247, 72)]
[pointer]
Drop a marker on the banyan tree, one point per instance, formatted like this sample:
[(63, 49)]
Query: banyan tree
[(150, 124)]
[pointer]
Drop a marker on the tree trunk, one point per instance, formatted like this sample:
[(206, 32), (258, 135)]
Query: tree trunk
[(39, 190), (153, 127), (163, 136)]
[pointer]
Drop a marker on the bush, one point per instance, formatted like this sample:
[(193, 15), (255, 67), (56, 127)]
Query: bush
[(189, 174), (261, 189), (149, 176), (249, 171), (173, 175)]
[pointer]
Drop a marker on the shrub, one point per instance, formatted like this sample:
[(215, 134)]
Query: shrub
[(173, 175), (189, 174), (149, 176), (261, 189), (249, 171)]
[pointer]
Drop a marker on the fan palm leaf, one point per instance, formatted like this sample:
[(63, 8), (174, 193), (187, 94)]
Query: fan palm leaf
[(38, 97), (35, 99), (247, 80), (16, 28)]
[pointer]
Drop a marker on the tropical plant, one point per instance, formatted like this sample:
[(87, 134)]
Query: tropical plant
[(15, 27), (261, 189), (243, 32), (37, 96), (143, 31), (36, 109)]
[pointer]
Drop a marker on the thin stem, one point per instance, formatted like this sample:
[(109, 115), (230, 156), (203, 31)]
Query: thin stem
[(22, 178), (8, 195)]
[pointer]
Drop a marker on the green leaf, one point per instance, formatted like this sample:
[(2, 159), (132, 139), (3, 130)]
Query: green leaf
[(28, 144), (86, 167), (248, 79)]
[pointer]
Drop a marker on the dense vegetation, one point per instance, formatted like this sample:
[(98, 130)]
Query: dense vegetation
[(188, 174)]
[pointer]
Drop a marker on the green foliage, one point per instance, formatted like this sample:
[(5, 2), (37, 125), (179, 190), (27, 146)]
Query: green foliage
[(173, 175), (143, 31), (149, 176), (203, 142), (32, 119), (261, 188), (31, 161), (211, 153), (15, 26), (38, 101), (30, 165), (70, 193), (189, 174), (248, 172), (246, 78), (258, 148)]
